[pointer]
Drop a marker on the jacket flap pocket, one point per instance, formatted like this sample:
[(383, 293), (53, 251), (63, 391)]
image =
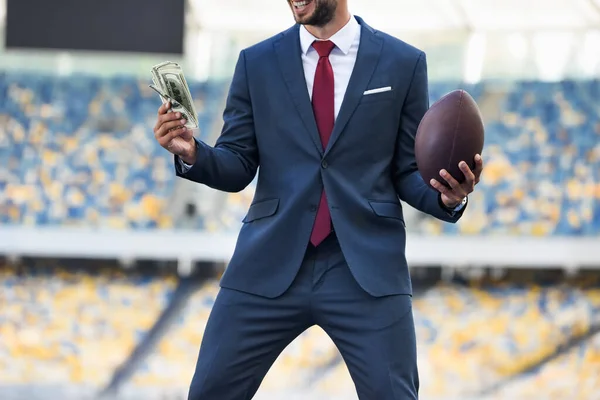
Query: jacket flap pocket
[(387, 209), (261, 209)]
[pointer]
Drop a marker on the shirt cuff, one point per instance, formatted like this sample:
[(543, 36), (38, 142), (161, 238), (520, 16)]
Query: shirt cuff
[(461, 205), (184, 166), (452, 211)]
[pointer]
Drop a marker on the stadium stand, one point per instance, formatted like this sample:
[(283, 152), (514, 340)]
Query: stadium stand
[(574, 375), (521, 337), (62, 324), (94, 163), (500, 330), (88, 162), (98, 157)]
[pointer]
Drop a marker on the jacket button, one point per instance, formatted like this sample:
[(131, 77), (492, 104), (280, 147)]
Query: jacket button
[(313, 208), (324, 164)]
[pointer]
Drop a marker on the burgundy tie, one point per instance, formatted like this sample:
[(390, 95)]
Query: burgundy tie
[(323, 108)]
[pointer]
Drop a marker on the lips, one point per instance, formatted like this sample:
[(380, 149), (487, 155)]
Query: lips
[(301, 5)]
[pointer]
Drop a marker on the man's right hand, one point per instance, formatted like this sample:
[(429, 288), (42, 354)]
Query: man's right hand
[(171, 134)]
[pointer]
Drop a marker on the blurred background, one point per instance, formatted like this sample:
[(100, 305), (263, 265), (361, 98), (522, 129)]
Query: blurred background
[(109, 265)]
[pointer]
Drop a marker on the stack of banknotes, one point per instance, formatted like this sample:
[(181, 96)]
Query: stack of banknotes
[(169, 81)]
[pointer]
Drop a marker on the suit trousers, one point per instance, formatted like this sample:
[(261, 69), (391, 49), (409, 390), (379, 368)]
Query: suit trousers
[(246, 333)]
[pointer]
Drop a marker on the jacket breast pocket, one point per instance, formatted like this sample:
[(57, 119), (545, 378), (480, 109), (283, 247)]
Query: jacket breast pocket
[(376, 97), (387, 209), (261, 209)]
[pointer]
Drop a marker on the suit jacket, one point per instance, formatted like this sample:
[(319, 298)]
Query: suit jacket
[(368, 165)]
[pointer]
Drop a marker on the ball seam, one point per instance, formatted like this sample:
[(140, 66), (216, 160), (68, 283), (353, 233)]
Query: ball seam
[(454, 134)]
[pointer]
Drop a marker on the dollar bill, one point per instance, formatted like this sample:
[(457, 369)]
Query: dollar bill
[(169, 81)]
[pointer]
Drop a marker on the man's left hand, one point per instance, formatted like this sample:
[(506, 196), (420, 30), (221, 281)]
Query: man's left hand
[(452, 196)]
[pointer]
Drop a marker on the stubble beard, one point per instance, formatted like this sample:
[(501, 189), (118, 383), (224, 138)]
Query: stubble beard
[(323, 13)]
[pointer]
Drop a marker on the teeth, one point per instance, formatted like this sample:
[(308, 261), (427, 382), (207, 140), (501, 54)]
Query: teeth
[(299, 4)]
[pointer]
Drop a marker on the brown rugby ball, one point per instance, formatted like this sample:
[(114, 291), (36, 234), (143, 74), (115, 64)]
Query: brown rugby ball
[(451, 131)]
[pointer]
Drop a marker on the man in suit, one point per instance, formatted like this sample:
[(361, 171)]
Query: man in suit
[(329, 110)]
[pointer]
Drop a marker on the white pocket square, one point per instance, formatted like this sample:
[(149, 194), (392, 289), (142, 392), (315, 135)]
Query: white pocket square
[(378, 90)]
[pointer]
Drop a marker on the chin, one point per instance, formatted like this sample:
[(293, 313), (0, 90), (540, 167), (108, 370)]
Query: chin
[(303, 10)]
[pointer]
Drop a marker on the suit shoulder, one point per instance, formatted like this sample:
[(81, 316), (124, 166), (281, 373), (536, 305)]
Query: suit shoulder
[(264, 47), (399, 47)]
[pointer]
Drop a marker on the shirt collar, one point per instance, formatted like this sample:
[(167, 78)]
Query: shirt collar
[(342, 39)]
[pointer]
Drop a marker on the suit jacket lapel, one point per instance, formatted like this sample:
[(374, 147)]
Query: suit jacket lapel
[(367, 59), (290, 61)]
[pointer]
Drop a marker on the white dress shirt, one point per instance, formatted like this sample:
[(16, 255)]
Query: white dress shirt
[(342, 59)]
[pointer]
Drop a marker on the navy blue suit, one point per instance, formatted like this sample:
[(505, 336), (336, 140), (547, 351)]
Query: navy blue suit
[(356, 286)]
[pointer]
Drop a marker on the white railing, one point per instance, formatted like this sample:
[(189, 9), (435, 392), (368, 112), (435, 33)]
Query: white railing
[(186, 247)]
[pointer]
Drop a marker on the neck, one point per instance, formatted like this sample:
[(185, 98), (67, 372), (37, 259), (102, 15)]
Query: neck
[(327, 31)]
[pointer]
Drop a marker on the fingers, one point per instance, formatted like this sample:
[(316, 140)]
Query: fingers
[(168, 117), (164, 108), (478, 167), (173, 133), (166, 122), (443, 189), (469, 176), (450, 180), (167, 126), (449, 197), (456, 192), (165, 114)]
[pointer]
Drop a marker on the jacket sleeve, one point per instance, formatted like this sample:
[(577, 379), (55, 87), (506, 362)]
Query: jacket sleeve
[(408, 182), (232, 163)]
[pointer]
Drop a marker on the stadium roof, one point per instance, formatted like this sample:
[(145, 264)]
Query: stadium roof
[(412, 15)]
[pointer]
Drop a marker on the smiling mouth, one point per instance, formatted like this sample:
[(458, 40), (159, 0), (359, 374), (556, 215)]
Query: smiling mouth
[(301, 5)]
